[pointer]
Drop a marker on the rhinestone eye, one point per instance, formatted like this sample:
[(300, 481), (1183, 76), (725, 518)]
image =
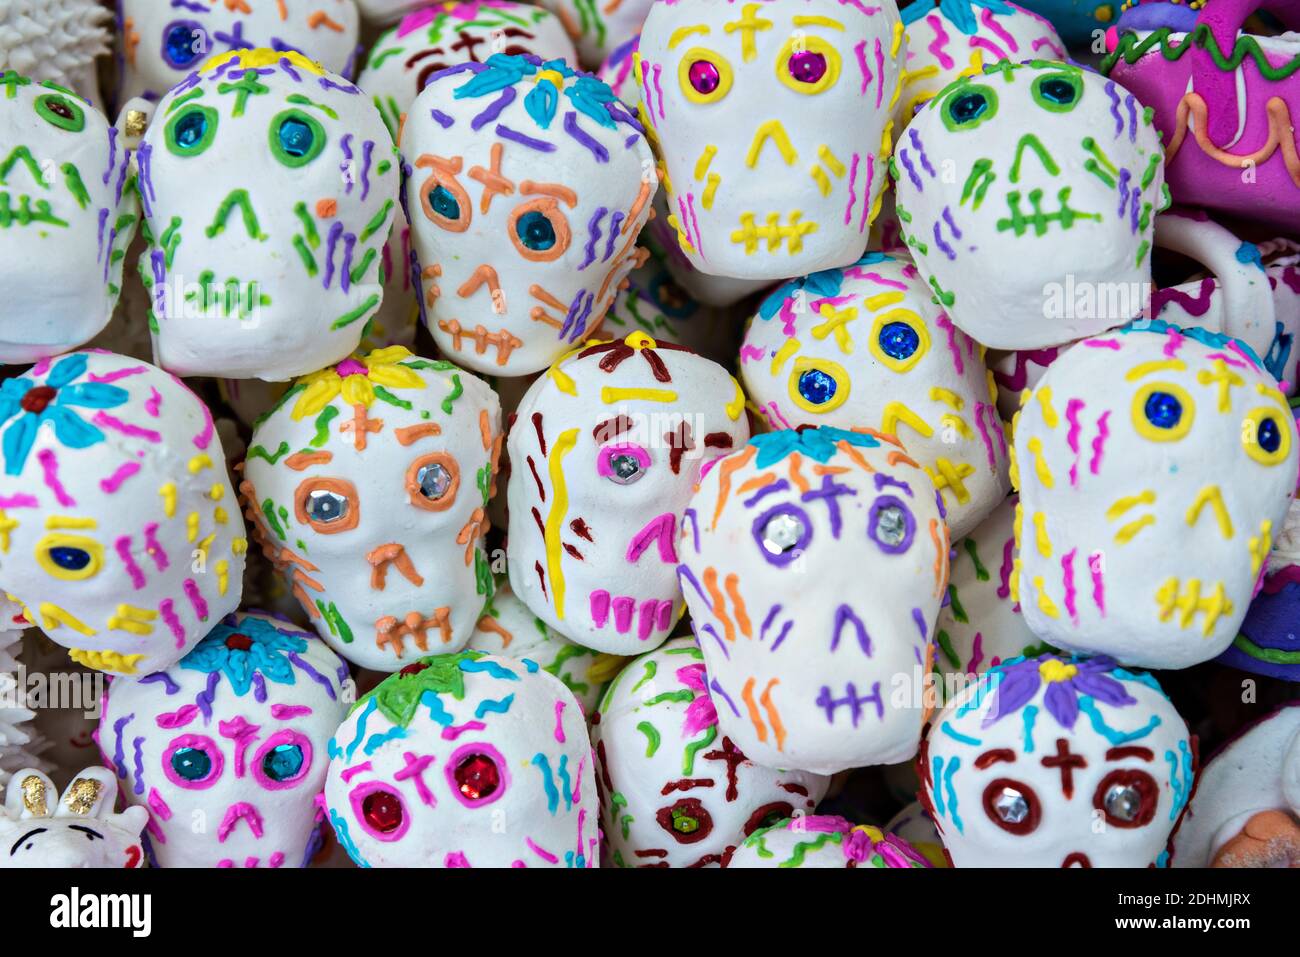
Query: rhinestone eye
[(1270, 436), (444, 203), (180, 48), (296, 137), (433, 480), (1163, 410), (535, 231), (1123, 801), (73, 559), (326, 507), (192, 764), (783, 533), (624, 468), (1058, 91), (477, 777), (817, 387), (890, 525), (1127, 797), (807, 66), (898, 340), (382, 811), (1010, 806), (705, 77)]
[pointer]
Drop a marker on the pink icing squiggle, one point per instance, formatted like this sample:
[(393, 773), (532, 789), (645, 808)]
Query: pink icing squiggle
[(204, 438), (118, 374), (241, 809), (853, 195), (452, 733), (106, 421), (1008, 549), (1102, 344), (1072, 409), (1098, 586), (866, 190), (880, 73), (158, 806), (50, 472), (1067, 579), (984, 433), (21, 500), (861, 51), (1057, 52), (559, 726), (938, 43), (981, 43), (776, 415), (191, 590), (123, 548), (114, 481), (1099, 443), (987, 18), (179, 718), (976, 653), (748, 353), (944, 323), (541, 852), (153, 403), (167, 610), (153, 548)]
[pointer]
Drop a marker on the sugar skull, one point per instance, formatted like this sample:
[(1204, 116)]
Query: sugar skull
[(163, 43), (68, 211), (1057, 762), (913, 825), (793, 190), (119, 530), (272, 269), (57, 40), (604, 454), (78, 828), (227, 748), (1001, 194), (509, 630), (1127, 545), (508, 130), (386, 557), (1269, 642), (804, 363), (465, 760), (675, 792), (1246, 810), (598, 29), (949, 39), (776, 545), (823, 840)]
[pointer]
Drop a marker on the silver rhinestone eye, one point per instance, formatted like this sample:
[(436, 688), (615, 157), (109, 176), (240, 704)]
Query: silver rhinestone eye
[(1010, 806), (434, 480), (891, 525), (624, 468), (782, 532), (1123, 802), (325, 507)]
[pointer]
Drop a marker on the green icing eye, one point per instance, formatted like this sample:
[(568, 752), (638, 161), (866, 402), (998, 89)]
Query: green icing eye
[(61, 111), (296, 138), (192, 130), (1058, 92), (968, 106)]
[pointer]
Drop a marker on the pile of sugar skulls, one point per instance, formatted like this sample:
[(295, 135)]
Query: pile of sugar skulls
[(826, 436)]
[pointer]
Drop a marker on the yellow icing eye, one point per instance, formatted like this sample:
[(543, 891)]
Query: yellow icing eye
[(818, 385), (705, 76), (69, 558), (808, 65), (1163, 412), (899, 339), (1266, 436)]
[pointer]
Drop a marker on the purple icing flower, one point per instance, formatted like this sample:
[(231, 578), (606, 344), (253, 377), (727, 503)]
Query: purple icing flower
[(1066, 680)]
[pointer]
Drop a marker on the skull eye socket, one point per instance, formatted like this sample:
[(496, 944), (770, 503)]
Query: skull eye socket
[(818, 385), (296, 138), (783, 533), (622, 464), (193, 762), (968, 106), (704, 76), (1163, 412), (283, 760), (1265, 436), (183, 43), (380, 811), (687, 820), (477, 775), (432, 481), (890, 525), (69, 558), (899, 340), (539, 230), (191, 131), (808, 65), (443, 199), (1012, 806), (1058, 92), (1127, 798), (61, 111), (328, 505)]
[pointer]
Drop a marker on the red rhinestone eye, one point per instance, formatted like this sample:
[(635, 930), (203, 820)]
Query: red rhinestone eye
[(477, 777), (382, 810), (807, 67), (704, 77)]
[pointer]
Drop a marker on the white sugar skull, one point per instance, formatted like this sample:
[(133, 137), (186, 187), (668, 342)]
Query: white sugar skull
[(68, 211), (562, 181), (367, 486), (825, 841), (866, 346), (675, 792), (163, 43), (599, 28), (1127, 544), (804, 665), (1246, 810), (946, 41), (1057, 762), (41, 828), (272, 269), (119, 530), (234, 735), (770, 177), (509, 630), (465, 760), (1009, 180), (604, 454)]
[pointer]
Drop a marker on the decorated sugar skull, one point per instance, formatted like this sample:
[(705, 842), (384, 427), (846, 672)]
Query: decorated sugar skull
[(163, 43), (866, 346), (604, 453), (119, 531), (1010, 179), (821, 841), (1246, 811), (367, 486), (529, 186), (1057, 762), (1128, 546), (69, 211), (234, 735), (272, 269), (465, 760), (675, 792), (913, 825), (79, 828), (509, 630), (775, 546), (598, 29), (771, 176), (948, 39)]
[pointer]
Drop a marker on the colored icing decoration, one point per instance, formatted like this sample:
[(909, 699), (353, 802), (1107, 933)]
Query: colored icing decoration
[(235, 732), (465, 760), (1053, 179), (68, 211), (272, 270), (1024, 767), (78, 828), (604, 455), (115, 520), (376, 520), (810, 671), (825, 841), (915, 826)]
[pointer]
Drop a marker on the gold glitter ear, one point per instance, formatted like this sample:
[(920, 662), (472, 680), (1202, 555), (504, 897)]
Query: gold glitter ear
[(82, 795), (136, 121), (34, 796)]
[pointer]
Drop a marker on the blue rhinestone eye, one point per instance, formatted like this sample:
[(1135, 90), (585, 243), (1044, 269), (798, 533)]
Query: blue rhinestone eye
[(968, 107), (282, 762), (898, 340), (1058, 91), (183, 43), (1270, 436), (73, 559), (535, 231), (191, 129), (296, 137), (444, 204), (817, 387), (192, 764), (1163, 410)]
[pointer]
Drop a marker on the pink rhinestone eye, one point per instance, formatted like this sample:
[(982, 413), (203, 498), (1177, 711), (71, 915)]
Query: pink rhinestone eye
[(807, 67), (704, 77)]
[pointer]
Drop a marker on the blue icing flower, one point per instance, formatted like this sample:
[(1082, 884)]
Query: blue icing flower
[(960, 12), (823, 285), (500, 71), (55, 401), (818, 444), (589, 95), (240, 647)]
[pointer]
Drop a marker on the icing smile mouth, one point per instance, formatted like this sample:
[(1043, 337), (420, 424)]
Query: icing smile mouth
[(27, 212)]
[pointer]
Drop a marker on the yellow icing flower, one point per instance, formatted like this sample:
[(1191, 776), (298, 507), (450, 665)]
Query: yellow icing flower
[(356, 380)]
